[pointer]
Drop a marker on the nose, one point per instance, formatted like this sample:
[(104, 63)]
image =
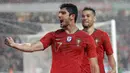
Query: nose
[(85, 17), (59, 15)]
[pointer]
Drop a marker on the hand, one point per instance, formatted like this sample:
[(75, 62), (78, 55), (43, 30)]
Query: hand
[(9, 41), (112, 71)]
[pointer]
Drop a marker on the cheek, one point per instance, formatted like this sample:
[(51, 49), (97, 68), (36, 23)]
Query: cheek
[(83, 20), (92, 21), (67, 19)]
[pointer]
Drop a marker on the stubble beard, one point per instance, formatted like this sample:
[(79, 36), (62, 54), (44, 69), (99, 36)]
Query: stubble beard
[(87, 26), (65, 24)]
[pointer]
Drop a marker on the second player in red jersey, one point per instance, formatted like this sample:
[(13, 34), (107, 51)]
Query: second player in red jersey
[(102, 42)]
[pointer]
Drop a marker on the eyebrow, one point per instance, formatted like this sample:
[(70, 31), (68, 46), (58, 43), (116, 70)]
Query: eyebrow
[(61, 11)]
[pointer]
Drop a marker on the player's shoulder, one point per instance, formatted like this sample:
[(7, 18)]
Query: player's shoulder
[(56, 31), (101, 32), (59, 31), (82, 33)]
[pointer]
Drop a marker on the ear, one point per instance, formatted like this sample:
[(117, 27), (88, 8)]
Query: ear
[(95, 19), (72, 16)]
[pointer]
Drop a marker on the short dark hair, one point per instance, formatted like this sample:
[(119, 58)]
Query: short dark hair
[(71, 8), (91, 9)]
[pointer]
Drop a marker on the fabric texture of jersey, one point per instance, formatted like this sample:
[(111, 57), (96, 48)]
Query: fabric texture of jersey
[(68, 50), (103, 45)]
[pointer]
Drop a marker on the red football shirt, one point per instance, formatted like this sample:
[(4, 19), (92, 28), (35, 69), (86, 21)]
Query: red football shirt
[(68, 50), (103, 44)]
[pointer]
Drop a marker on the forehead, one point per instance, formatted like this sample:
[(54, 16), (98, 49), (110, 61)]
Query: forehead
[(63, 10), (87, 12)]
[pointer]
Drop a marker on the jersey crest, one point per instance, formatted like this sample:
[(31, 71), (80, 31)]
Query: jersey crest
[(78, 41), (97, 40), (69, 38)]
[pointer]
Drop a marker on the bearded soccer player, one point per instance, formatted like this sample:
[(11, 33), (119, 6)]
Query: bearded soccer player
[(102, 41), (68, 44)]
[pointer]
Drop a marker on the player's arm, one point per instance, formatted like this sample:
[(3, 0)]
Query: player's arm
[(92, 54), (109, 51), (26, 47), (112, 63), (94, 65)]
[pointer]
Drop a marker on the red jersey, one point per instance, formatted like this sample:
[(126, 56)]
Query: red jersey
[(103, 44), (68, 50)]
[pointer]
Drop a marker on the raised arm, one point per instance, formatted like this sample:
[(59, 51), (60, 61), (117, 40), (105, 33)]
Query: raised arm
[(25, 47)]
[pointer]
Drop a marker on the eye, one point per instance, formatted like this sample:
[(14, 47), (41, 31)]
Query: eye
[(62, 12), (88, 15)]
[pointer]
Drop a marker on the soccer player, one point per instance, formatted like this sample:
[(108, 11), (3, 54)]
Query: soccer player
[(102, 41), (68, 44)]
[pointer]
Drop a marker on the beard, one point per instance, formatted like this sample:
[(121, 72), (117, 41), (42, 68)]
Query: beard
[(87, 26), (64, 24)]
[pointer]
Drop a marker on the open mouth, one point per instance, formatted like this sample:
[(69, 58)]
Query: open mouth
[(61, 21)]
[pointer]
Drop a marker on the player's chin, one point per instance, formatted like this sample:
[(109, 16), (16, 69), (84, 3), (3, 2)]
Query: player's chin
[(61, 26), (85, 26)]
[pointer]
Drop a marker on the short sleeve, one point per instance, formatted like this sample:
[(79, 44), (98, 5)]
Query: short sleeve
[(91, 48), (47, 39), (107, 44)]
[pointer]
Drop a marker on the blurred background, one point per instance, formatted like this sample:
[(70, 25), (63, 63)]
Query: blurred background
[(29, 20)]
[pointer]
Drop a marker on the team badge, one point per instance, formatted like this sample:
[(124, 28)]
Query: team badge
[(78, 41), (96, 40), (69, 38)]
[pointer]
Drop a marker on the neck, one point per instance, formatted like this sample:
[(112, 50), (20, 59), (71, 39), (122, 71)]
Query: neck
[(89, 30), (71, 29)]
